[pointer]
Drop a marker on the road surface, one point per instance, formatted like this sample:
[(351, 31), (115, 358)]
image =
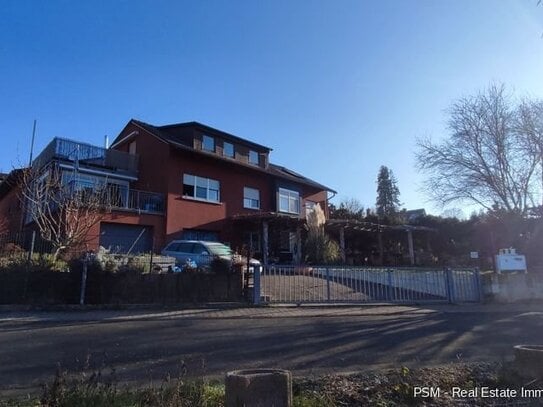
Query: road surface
[(146, 345)]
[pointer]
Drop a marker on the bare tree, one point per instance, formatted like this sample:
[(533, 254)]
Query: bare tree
[(350, 208), (484, 158), (455, 213), (63, 212), (529, 126)]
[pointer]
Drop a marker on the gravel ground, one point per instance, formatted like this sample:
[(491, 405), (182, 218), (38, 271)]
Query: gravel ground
[(397, 387)]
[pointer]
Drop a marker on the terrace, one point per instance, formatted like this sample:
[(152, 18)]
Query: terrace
[(83, 154)]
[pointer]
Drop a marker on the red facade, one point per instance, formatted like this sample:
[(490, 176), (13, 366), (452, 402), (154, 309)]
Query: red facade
[(179, 181), (163, 163)]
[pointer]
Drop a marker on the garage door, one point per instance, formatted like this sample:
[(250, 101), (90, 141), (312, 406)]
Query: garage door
[(121, 238)]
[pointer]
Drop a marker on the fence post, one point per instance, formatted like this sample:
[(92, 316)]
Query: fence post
[(83, 282), (479, 282), (390, 291), (449, 278), (28, 262), (327, 284), (256, 284), (151, 260), (32, 243)]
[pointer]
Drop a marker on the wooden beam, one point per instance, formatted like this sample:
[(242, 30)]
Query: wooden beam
[(342, 243), (298, 253), (265, 243)]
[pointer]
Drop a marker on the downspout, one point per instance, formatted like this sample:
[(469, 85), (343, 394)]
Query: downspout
[(334, 193)]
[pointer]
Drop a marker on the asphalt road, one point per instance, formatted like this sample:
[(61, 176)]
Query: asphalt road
[(144, 346)]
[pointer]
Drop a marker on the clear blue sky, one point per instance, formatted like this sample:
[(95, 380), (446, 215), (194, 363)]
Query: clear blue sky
[(336, 88)]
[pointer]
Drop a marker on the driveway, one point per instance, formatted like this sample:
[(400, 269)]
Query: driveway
[(145, 345)]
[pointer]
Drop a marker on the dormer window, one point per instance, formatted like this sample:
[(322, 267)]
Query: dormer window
[(253, 157), (208, 143), (228, 149)]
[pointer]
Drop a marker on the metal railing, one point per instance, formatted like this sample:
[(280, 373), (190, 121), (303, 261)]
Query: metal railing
[(121, 197), (84, 153), (291, 284), (108, 196), (145, 201)]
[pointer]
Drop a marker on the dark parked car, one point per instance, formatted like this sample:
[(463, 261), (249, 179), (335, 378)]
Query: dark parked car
[(202, 253)]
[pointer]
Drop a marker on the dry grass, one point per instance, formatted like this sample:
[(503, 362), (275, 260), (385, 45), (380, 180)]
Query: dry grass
[(387, 388)]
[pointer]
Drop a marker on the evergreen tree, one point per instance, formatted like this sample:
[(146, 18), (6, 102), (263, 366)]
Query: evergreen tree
[(388, 194)]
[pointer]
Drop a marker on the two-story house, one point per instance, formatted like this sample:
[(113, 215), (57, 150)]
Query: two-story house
[(183, 181), (221, 187)]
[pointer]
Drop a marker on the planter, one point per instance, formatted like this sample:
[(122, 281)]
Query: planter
[(529, 361), (258, 388)]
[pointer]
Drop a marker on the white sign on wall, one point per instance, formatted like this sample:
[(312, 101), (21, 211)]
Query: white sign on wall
[(508, 261)]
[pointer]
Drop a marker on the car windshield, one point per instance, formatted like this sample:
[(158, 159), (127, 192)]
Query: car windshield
[(219, 249)]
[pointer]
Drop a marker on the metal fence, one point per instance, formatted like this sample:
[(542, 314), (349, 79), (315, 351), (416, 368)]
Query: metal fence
[(290, 284), (86, 153), (126, 255)]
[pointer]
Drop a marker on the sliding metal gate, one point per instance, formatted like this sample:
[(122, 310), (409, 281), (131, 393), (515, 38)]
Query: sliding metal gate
[(290, 284)]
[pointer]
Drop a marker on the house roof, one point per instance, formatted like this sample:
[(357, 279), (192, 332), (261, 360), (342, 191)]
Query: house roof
[(415, 212), (288, 174), (168, 134)]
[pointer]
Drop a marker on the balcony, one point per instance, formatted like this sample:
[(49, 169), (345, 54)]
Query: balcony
[(147, 202), (117, 196), (109, 197), (87, 155)]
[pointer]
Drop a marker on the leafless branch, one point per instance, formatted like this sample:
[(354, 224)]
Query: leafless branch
[(63, 211), (491, 154)]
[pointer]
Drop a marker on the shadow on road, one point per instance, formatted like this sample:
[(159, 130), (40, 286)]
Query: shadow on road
[(140, 349)]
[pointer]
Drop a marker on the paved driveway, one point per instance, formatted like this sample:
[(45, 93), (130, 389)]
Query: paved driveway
[(144, 345)]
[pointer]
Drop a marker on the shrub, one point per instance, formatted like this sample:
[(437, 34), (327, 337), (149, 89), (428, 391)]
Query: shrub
[(220, 266), (319, 248)]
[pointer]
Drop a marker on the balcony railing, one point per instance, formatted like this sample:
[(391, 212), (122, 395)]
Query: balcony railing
[(87, 154), (144, 201), (120, 197)]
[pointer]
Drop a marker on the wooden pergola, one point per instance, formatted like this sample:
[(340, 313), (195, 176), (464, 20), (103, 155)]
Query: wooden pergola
[(263, 220), (357, 226)]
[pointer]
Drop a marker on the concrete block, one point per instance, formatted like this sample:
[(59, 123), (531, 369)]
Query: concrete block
[(258, 388)]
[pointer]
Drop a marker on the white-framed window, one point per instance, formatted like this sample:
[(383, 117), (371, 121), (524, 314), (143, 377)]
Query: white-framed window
[(289, 201), (253, 157), (228, 149), (208, 143), (251, 198), (205, 189)]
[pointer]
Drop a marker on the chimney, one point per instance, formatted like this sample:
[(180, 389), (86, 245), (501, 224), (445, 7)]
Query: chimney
[(106, 142)]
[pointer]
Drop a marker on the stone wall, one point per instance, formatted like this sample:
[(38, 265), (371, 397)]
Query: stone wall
[(513, 287)]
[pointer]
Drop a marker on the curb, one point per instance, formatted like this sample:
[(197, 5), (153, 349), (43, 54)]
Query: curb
[(122, 307)]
